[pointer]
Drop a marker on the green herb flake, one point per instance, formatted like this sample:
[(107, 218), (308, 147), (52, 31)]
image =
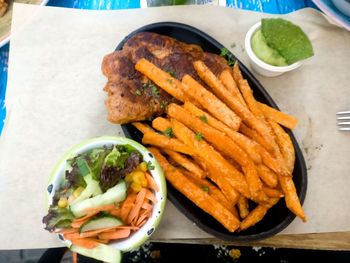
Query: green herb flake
[(199, 136), (150, 166), (169, 132), (170, 81), (223, 52), (155, 91), (163, 105), (206, 189), (171, 73), (138, 92), (204, 118)]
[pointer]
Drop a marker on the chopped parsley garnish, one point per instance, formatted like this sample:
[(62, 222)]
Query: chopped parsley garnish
[(199, 136), (163, 105), (204, 118), (138, 92), (171, 73), (206, 189), (170, 81), (150, 166), (225, 53), (169, 132), (150, 85)]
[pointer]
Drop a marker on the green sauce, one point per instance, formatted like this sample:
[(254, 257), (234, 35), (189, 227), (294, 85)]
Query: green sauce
[(264, 52)]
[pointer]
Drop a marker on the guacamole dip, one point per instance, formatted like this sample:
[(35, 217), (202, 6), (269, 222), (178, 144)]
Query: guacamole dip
[(279, 42), (264, 52)]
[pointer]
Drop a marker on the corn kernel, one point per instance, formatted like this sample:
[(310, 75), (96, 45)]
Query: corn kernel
[(144, 182), (128, 178), (63, 202), (137, 177), (78, 191), (136, 187), (143, 166)]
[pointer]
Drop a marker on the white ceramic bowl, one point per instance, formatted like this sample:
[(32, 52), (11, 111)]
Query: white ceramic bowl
[(140, 236), (343, 6), (260, 66)]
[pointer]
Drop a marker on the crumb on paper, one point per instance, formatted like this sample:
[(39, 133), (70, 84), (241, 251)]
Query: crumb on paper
[(155, 255), (235, 254)]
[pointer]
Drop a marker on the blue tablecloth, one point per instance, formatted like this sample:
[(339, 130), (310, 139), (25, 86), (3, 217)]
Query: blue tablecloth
[(267, 6)]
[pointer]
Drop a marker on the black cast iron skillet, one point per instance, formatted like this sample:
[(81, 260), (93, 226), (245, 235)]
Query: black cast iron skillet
[(278, 217)]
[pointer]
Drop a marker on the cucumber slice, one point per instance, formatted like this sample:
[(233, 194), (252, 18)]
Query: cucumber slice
[(101, 222), (115, 194), (101, 252), (92, 189)]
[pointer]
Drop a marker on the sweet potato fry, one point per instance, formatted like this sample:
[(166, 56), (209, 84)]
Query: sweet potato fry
[(161, 124), (291, 197), (272, 192), (230, 84), (267, 176), (220, 91), (211, 103), (224, 184), (161, 78), (211, 189), (196, 194), (236, 72), (211, 157), (285, 144), (144, 128), (162, 141), (242, 141), (249, 99), (282, 118), (186, 163), (257, 214), (243, 207)]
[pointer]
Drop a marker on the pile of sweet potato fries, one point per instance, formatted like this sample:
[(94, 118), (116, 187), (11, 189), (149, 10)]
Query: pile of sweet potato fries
[(222, 148)]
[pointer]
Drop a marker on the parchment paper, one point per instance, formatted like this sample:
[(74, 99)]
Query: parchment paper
[(55, 100)]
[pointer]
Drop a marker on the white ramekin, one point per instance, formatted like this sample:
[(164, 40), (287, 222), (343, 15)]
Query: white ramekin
[(260, 66)]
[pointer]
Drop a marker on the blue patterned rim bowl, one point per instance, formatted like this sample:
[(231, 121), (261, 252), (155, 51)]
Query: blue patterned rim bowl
[(142, 235)]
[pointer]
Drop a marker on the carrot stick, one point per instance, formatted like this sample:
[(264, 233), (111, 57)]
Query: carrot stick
[(211, 157), (133, 215), (71, 236), (210, 102), (144, 128), (150, 196), (116, 212), (230, 84), (94, 233), (161, 78), (67, 231), (186, 163), (101, 208), (162, 141), (85, 242), (196, 194), (116, 234), (282, 118), (126, 206), (151, 183), (144, 215), (75, 257)]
